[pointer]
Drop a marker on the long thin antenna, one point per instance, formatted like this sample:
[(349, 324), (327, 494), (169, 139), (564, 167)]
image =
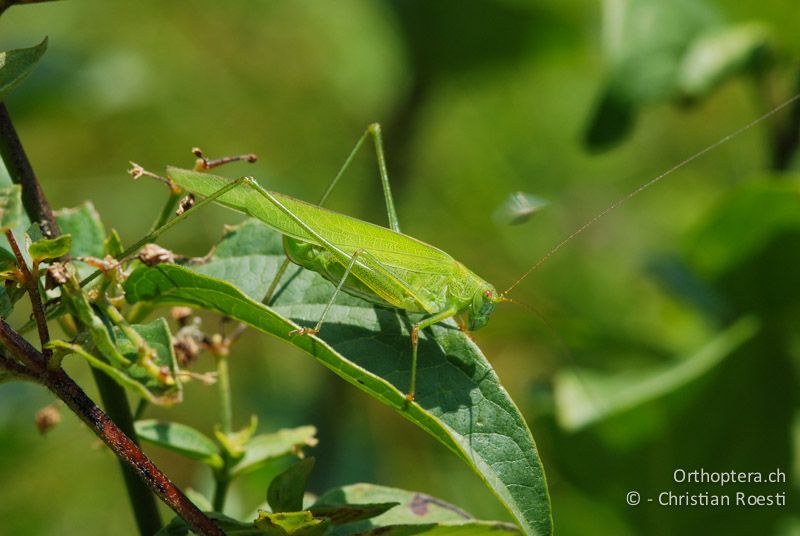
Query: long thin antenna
[(650, 183)]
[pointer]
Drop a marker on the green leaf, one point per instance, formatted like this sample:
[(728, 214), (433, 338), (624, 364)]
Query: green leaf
[(291, 523), (16, 65), (645, 42), (158, 337), (350, 513), (8, 261), (459, 398), (266, 447), (113, 244), (87, 231), (182, 439), (417, 513), (234, 443), (5, 303), (199, 500), (716, 56), (46, 249), (588, 399), (286, 491), (132, 376), (743, 222), (10, 207)]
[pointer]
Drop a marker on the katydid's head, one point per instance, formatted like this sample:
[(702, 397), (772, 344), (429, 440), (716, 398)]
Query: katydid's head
[(483, 304)]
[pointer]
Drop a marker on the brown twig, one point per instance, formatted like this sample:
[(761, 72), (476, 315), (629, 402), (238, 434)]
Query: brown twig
[(31, 282), (73, 396), (21, 172)]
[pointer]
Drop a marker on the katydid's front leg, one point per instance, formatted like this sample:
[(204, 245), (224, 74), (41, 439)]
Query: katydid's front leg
[(415, 329), (375, 131)]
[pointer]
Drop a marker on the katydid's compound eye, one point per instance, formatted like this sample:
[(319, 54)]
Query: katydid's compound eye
[(488, 294)]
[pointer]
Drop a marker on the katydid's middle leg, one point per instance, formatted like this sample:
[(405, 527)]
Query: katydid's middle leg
[(315, 329), (375, 131)]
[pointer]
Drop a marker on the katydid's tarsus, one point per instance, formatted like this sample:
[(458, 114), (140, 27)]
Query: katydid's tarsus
[(379, 264)]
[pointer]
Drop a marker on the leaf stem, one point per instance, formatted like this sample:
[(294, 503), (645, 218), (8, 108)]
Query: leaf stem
[(224, 383)]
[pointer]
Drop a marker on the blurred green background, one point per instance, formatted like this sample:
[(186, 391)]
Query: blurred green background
[(646, 366)]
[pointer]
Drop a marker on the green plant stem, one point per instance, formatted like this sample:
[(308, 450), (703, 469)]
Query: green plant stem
[(140, 409), (222, 476), (224, 383), (116, 405), (222, 482)]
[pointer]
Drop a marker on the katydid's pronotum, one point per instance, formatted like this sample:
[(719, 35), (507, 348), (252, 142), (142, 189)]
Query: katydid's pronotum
[(381, 264)]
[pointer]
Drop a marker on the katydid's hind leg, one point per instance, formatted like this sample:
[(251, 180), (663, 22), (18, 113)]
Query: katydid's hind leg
[(315, 329), (373, 130), (391, 213), (415, 329)]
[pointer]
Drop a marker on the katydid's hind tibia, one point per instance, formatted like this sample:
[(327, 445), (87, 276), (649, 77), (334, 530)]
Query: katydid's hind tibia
[(616, 204)]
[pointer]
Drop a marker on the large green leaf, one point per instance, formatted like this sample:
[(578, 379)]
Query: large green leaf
[(260, 449), (16, 65), (87, 231), (459, 398), (587, 399), (714, 57), (287, 489), (46, 249), (182, 439), (645, 42)]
